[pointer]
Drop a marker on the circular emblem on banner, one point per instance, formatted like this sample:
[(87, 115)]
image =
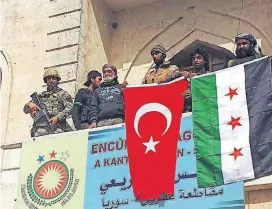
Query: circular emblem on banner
[(51, 179)]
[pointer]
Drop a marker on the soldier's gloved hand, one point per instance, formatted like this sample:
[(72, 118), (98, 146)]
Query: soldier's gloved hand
[(33, 106), (54, 120), (93, 125)]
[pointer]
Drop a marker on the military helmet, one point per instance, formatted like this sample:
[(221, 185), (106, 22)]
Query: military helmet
[(51, 72)]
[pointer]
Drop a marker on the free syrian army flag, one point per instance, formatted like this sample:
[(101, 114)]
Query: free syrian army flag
[(52, 172), (153, 115), (232, 123)]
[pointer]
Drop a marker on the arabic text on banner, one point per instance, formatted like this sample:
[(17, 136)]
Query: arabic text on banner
[(108, 183)]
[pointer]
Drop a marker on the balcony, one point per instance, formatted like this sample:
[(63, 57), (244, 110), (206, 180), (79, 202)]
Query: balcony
[(104, 146)]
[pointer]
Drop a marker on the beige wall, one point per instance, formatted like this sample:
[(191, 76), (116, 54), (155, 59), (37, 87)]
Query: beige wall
[(37, 35), (5, 87), (95, 38), (26, 55), (259, 199), (176, 24)]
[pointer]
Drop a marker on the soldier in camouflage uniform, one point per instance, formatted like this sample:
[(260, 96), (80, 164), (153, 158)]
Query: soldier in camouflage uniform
[(163, 71), (58, 102)]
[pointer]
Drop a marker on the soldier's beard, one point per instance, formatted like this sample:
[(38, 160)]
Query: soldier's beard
[(95, 86), (109, 78), (241, 53), (158, 61)]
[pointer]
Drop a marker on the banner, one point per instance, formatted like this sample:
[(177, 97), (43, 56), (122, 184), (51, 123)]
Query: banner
[(108, 183), (89, 170), (52, 172)]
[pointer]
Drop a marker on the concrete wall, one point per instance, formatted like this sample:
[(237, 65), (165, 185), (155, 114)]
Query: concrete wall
[(177, 23), (37, 35), (95, 38), (26, 55)]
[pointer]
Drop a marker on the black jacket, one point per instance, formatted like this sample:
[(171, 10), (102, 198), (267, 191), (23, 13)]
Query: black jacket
[(238, 61), (107, 102), (81, 107)]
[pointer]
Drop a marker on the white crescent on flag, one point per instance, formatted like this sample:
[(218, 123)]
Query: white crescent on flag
[(152, 107)]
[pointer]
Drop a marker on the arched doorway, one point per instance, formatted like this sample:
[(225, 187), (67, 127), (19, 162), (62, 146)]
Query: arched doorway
[(218, 56), (5, 92)]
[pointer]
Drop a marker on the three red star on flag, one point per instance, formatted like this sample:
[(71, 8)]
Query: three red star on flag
[(232, 93), (234, 122), (236, 153)]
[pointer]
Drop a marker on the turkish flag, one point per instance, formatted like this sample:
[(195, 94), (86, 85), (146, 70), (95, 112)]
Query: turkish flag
[(153, 115)]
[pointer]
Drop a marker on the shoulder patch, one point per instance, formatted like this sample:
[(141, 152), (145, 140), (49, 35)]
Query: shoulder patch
[(230, 63), (68, 97)]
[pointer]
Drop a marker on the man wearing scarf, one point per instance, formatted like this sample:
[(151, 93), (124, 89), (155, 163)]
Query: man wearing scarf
[(107, 106), (247, 49)]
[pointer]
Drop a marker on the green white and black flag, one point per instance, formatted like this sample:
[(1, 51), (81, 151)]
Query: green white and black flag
[(232, 122)]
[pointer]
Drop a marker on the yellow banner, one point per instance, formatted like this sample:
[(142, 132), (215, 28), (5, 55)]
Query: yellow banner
[(52, 172)]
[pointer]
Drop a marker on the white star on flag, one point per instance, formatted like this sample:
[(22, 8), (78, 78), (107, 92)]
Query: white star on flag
[(150, 145), (64, 156)]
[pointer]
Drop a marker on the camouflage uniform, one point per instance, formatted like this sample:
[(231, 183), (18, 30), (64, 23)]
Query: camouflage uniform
[(59, 103), (163, 73)]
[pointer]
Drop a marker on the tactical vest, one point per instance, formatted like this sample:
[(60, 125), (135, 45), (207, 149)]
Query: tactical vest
[(52, 101)]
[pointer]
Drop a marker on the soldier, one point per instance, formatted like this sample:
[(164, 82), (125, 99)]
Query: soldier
[(246, 49), (107, 106), (162, 72), (82, 104), (58, 103)]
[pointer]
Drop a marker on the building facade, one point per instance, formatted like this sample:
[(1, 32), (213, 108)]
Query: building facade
[(75, 36)]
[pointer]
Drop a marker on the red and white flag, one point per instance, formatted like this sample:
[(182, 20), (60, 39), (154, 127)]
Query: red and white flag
[(153, 115)]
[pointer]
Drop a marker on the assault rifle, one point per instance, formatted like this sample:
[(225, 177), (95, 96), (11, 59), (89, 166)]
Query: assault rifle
[(42, 114)]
